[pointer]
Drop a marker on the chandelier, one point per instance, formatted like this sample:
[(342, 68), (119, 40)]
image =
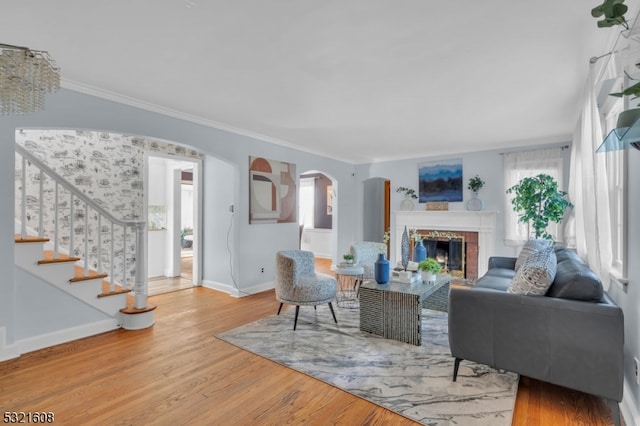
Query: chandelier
[(26, 76)]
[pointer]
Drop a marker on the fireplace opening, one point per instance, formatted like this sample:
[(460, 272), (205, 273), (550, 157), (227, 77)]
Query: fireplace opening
[(449, 252)]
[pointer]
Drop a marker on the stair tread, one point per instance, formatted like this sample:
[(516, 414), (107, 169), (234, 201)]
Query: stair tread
[(92, 276), (113, 293), (30, 239), (133, 310), (49, 258)]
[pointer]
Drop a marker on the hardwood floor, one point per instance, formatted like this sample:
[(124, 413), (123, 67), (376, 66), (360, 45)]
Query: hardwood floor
[(161, 285), (179, 373)]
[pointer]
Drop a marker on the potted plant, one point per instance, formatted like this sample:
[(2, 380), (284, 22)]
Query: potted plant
[(538, 201), (612, 13), (475, 183), (431, 268), (409, 194), (348, 258)]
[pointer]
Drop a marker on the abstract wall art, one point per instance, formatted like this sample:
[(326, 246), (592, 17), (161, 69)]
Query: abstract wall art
[(272, 191), (440, 180)]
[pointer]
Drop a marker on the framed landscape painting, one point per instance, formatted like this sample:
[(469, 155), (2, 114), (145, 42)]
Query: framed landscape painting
[(440, 180)]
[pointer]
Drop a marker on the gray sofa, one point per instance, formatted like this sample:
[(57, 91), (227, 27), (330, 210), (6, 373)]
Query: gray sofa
[(571, 336)]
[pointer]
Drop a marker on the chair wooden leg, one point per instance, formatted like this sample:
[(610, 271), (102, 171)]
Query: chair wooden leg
[(295, 321), (280, 308), (332, 312)]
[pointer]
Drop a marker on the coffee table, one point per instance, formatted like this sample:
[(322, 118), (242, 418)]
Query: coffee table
[(394, 310)]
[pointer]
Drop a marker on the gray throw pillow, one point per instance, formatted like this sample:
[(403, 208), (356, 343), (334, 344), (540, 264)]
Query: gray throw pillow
[(536, 274), (530, 247)]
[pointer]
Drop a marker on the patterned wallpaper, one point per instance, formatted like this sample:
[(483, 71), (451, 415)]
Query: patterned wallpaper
[(108, 167)]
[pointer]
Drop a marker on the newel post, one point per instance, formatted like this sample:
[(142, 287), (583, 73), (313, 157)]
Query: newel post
[(140, 287)]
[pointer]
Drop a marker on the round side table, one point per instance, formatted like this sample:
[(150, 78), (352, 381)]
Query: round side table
[(349, 279)]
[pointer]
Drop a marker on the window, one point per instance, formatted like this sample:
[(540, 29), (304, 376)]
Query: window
[(306, 204), (518, 165), (616, 169)]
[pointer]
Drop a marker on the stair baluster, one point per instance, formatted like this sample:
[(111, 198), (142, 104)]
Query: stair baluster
[(140, 285)]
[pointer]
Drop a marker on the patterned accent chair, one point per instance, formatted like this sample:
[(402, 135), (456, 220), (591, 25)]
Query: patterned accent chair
[(297, 282), (365, 254)]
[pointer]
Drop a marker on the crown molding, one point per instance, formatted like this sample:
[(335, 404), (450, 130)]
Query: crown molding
[(148, 106)]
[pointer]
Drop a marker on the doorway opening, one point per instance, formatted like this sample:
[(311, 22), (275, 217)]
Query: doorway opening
[(173, 247), (317, 214)]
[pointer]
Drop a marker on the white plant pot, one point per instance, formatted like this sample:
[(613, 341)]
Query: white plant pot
[(428, 277)]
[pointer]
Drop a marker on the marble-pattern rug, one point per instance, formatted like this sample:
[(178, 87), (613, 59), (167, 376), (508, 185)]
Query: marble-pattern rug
[(413, 381)]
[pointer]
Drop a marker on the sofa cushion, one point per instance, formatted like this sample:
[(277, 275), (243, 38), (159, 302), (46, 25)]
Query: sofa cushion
[(494, 282), (574, 279), (501, 272), (532, 246), (536, 274)]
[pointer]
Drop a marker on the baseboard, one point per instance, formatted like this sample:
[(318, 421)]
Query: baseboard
[(7, 351), (628, 407), (234, 292), (63, 336)]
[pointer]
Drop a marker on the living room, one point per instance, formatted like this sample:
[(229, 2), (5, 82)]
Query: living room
[(226, 158)]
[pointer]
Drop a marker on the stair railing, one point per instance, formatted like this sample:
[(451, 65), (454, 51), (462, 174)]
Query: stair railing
[(137, 227)]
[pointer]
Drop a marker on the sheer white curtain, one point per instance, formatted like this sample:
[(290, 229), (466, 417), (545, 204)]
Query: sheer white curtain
[(518, 165), (588, 187)]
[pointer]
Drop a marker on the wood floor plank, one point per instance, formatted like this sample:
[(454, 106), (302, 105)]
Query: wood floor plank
[(178, 372)]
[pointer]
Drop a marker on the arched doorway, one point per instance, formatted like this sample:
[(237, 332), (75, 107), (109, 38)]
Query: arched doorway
[(317, 214)]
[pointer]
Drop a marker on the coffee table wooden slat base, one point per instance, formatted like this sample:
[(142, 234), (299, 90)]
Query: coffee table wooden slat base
[(394, 310)]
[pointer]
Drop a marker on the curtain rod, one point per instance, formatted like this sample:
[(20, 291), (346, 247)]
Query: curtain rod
[(563, 147)]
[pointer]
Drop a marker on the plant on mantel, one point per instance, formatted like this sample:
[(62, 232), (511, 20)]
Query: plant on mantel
[(476, 183), (408, 192)]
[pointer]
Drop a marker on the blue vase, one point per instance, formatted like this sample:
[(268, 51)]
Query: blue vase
[(381, 269), (419, 252)]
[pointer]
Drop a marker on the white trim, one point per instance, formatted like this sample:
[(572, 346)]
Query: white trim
[(627, 407), (483, 222), (67, 335), (234, 292), (7, 351)]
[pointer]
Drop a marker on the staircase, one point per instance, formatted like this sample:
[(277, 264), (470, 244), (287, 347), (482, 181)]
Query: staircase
[(82, 258)]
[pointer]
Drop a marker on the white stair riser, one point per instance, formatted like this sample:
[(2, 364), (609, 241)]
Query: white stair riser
[(58, 274), (27, 254)]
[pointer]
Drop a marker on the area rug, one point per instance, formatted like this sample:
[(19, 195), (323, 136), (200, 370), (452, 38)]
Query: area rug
[(413, 381)]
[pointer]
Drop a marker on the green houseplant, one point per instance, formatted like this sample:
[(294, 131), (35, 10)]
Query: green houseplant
[(348, 258), (538, 201), (612, 13), (475, 183), (430, 265), (431, 268)]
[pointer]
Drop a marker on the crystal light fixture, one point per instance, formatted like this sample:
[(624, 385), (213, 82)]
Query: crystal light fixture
[(26, 76)]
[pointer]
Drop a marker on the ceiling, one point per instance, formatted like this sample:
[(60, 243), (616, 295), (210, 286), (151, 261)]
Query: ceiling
[(356, 80)]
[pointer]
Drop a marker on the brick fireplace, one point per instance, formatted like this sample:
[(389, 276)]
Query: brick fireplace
[(475, 228)]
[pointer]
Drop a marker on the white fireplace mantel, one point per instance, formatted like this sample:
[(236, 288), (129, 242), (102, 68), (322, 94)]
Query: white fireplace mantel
[(483, 222)]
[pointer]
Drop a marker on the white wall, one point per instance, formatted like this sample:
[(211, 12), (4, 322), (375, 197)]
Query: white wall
[(318, 241), (226, 181), (487, 164)]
